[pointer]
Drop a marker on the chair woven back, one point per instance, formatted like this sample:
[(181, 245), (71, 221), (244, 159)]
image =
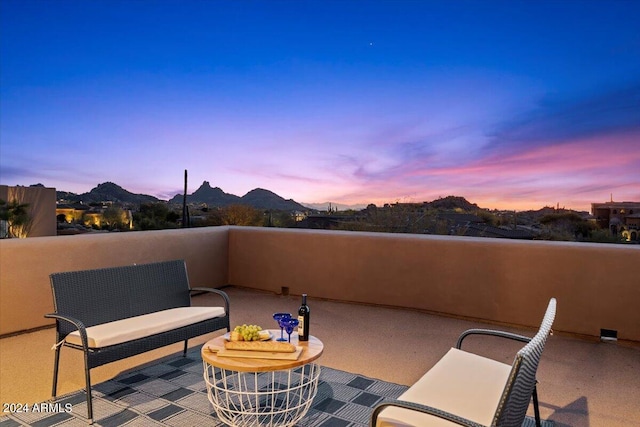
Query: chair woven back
[(107, 294), (522, 379)]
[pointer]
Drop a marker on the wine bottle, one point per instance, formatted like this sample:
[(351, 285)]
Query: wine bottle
[(303, 320)]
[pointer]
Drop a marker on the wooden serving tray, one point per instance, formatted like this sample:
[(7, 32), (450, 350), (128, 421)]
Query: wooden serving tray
[(223, 352)]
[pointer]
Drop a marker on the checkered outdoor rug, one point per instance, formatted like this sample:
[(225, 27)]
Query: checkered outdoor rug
[(173, 393)]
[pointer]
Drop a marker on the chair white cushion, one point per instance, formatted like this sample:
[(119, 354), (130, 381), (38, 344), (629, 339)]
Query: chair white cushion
[(462, 383), (133, 328)]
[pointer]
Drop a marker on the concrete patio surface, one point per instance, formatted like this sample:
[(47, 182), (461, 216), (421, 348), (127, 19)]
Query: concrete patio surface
[(582, 382)]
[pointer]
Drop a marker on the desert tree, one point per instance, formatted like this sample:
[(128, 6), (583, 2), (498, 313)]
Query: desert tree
[(241, 215), (17, 218), (115, 218)]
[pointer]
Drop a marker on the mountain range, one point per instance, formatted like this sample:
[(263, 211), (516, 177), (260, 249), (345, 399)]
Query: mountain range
[(106, 192), (213, 197), (259, 198)]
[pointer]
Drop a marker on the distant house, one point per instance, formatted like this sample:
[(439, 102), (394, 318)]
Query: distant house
[(620, 218), (79, 213), (299, 215), (71, 212)]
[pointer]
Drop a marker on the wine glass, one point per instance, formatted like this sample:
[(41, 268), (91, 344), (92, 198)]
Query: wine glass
[(279, 317), (289, 325)]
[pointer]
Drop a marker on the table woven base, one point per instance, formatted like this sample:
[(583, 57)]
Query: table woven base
[(277, 398)]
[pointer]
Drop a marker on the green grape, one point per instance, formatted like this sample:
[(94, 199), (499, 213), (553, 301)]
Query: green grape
[(248, 332)]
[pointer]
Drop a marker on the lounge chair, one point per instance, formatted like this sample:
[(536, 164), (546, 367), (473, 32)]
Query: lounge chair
[(470, 390)]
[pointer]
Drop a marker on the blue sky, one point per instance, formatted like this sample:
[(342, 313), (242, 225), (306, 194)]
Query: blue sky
[(511, 104)]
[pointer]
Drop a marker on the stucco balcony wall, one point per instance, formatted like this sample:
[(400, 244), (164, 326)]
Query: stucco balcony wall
[(25, 264), (499, 280), (495, 280)]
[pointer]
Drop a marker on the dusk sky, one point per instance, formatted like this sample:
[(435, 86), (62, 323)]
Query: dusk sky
[(510, 104)]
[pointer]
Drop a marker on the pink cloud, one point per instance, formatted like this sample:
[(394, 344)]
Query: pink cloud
[(573, 174)]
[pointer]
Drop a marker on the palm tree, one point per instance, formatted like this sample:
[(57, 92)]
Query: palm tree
[(16, 216)]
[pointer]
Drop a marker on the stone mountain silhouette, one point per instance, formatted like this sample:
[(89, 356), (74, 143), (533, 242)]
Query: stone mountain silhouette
[(107, 192), (259, 198), (214, 197)]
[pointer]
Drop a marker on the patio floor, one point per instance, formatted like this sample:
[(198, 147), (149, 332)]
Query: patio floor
[(582, 383)]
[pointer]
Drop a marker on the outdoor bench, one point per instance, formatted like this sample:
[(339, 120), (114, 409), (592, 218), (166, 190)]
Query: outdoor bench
[(471, 390), (113, 313)]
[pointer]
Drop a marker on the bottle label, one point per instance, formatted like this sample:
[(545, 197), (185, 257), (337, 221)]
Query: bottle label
[(301, 326)]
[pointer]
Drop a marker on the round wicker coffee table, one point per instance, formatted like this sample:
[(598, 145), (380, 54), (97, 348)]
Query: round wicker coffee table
[(259, 391)]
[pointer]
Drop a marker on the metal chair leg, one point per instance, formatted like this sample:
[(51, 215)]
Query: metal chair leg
[(536, 409), (184, 352), (88, 382), (56, 364)]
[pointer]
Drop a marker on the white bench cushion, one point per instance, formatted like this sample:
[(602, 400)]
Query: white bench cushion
[(462, 383), (133, 328)]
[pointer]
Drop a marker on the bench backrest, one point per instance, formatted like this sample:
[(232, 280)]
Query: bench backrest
[(108, 294), (522, 379)]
